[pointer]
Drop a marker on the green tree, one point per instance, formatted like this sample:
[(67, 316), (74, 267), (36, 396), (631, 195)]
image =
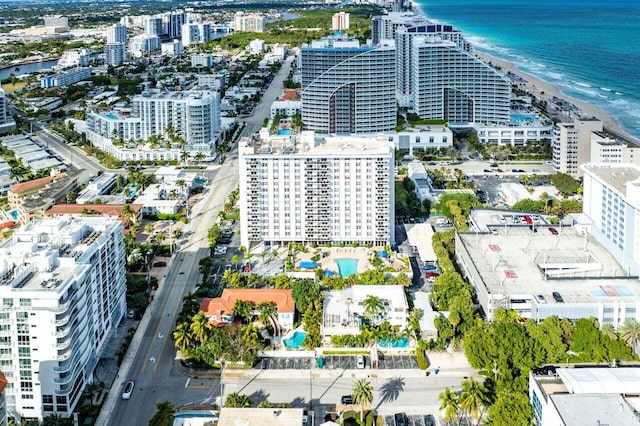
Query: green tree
[(565, 183), (450, 403), (200, 327), (373, 306), (473, 398), (182, 337), (236, 400), (243, 309), (305, 293), (362, 393), (607, 330), (163, 415), (630, 333), (511, 408), (266, 311)]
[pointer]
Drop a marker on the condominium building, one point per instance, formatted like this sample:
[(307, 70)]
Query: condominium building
[(340, 21), (610, 147), (348, 88), (194, 115), (75, 58), (65, 78), (117, 33), (450, 83), (62, 286), (404, 36), (172, 23), (316, 189), (202, 60), (143, 44), (114, 54), (6, 121), (565, 272), (572, 144), (171, 48), (611, 200), (251, 22), (153, 26), (196, 33), (384, 27)]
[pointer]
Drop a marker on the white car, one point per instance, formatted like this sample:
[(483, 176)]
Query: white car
[(360, 362), (128, 390)]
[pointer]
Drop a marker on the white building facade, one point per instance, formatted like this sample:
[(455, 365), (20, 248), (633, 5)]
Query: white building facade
[(63, 290), (321, 190), (571, 145), (513, 134), (117, 33), (197, 33), (114, 53), (252, 22)]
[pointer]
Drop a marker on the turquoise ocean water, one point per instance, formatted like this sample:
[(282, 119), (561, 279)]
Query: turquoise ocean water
[(589, 49)]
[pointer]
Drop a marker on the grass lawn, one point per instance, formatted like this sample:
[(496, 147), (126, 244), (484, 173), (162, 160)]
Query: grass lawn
[(11, 87)]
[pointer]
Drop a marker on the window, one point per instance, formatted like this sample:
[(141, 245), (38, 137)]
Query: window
[(25, 302)]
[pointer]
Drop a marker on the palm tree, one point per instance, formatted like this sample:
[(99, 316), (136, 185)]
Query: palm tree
[(266, 311), (362, 393), (630, 333), (163, 415), (127, 214), (184, 157), (373, 306), (450, 403), (608, 330), (236, 400), (148, 228), (243, 309), (182, 337), (200, 327), (235, 259), (199, 157), (474, 399), (161, 237)]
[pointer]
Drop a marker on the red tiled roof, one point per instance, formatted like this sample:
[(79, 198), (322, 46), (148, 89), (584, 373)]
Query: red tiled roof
[(223, 305), (290, 95), (104, 209), (3, 382), (31, 185)]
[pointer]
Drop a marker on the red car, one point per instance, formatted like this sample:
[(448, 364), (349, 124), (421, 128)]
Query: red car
[(431, 274), (554, 231)]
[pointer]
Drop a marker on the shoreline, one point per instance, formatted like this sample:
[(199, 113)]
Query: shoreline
[(545, 90)]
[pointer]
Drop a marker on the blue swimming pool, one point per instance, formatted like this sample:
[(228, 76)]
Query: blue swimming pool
[(347, 267), (307, 264), (111, 116), (284, 132), (14, 214), (200, 414), (524, 117), (295, 341), (400, 343)]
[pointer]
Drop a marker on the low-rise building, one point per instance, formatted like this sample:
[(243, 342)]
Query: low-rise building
[(584, 396), (113, 210), (219, 310), (514, 134), (101, 185), (287, 105), (160, 199), (344, 310), (65, 78), (519, 261), (420, 138), (75, 58), (260, 416)]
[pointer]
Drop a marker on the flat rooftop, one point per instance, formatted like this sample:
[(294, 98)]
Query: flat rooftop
[(307, 143), (514, 260), (594, 409), (260, 416), (615, 175)]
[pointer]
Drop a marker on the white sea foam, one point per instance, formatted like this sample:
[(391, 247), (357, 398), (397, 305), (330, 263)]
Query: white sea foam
[(580, 83), (606, 89)]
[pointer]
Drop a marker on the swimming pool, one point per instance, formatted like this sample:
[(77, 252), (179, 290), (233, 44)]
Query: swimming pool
[(524, 117), (403, 342), (111, 116), (295, 341), (284, 132), (201, 414), (14, 214), (347, 267)]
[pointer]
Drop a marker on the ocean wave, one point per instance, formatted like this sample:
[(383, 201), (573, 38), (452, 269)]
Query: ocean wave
[(606, 89), (581, 84)]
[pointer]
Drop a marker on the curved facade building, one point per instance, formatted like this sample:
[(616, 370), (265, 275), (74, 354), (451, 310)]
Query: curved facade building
[(348, 88), (450, 83)]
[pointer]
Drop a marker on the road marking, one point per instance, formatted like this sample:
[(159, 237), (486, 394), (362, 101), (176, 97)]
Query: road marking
[(152, 360), (186, 385)]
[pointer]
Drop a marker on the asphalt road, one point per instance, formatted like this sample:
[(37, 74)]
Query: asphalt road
[(151, 363)]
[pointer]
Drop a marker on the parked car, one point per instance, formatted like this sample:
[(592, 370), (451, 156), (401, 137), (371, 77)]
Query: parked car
[(429, 267), (557, 297), (432, 274), (400, 419), (360, 361), (429, 420), (160, 264), (128, 390), (346, 400), (554, 231)]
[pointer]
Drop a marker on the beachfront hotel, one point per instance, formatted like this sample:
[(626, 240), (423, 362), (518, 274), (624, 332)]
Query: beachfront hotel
[(348, 88), (571, 144), (62, 289), (384, 27), (449, 83), (194, 115), (611, 201), (312, 189)]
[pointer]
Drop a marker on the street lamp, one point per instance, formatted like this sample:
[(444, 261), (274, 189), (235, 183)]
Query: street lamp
[(170, 238)]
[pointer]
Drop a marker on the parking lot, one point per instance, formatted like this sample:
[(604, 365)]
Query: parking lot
[(412, 420), (338, 362)]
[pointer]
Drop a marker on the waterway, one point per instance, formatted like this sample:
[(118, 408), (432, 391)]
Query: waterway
[(26, 68)]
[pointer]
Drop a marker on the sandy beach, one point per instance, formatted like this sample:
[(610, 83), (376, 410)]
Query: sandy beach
[(545, 90)]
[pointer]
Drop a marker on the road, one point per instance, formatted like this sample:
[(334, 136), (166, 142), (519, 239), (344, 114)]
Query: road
[(150, 360)]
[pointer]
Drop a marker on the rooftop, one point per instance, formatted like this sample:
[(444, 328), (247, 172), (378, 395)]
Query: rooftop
[(260, 416), (98, 209), (601, 380), (217, 306), (514, 260), (616, 176), (290, 95), (594, 410)]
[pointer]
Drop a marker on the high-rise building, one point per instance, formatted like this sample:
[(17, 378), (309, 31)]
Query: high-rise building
[(114, 53), (143, 44), (252, 22), (172, 23), (62, 286), (194, 115), (196, 34), (404, 37), (450, 83), (611, 199), (572, 144), (348, 88), (117, 33), (6, 121), (340, 21), (317, 190), (385, 26), (153, 26)]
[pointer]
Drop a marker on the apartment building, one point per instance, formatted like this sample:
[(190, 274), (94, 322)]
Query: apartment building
[(384, 27), (249, 22), (194, 115), (348, 88), (65, 78), (6, 121), (611, 200), (316, 189), (404, 36), (143, 44), (152, 25), (196, 33), (62, 287), (572, 144), (340, 21), (117, 33), (450, 83), (173, 22), (114, 53), (202, 60), (75, 58), (610, 147)]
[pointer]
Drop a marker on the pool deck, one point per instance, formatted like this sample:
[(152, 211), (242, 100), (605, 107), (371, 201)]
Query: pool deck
[(361, 254)]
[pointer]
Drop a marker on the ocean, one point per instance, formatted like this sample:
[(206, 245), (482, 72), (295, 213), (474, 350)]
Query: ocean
[(589, 49)]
